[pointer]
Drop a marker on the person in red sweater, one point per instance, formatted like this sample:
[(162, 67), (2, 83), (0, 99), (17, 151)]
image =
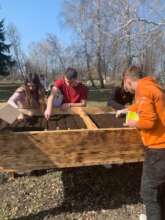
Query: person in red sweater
[(73, 93), (150, 107)]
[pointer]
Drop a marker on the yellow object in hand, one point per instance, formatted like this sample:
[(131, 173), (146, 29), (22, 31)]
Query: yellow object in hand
[(131, 116)]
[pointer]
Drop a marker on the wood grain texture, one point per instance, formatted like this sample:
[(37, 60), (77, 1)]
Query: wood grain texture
[(24, 151), (87, 120)]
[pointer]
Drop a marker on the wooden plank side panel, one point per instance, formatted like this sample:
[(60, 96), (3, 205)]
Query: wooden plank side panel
[(88, 122), (39, 150)]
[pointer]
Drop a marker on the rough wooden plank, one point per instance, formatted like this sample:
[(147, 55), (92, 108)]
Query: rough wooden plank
[(88, 122), (71, 148)]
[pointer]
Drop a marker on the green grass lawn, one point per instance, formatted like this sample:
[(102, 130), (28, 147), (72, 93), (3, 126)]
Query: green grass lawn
[(96, 97), (7, 89), (6, 92)]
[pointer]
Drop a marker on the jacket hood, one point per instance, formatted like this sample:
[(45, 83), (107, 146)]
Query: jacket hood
[(150, 81)]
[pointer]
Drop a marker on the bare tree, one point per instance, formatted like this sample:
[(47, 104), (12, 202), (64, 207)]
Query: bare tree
[(98, 42), (56, 49), (107, 37), (46, 57), (18, 54)]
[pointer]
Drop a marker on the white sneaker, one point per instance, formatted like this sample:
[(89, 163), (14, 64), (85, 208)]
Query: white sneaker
[(142, 217)]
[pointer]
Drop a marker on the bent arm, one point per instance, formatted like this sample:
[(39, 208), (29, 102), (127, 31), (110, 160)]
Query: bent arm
[(54, 91), (80, 104), (14, 99)]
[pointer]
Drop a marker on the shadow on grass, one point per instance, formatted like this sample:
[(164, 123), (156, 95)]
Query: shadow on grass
[(96, 188)]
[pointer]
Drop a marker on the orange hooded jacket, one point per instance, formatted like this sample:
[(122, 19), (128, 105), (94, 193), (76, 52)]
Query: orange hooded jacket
[(150, 106)]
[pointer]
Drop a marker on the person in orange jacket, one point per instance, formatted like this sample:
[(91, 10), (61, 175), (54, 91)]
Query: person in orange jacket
[(150, 107)]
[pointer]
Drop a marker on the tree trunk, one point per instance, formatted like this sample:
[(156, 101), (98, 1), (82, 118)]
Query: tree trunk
[(129, 52), (98, 45), (88, 65)]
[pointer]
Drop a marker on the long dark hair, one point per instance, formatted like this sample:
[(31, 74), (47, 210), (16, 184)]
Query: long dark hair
[(36, 96), (32, 78)]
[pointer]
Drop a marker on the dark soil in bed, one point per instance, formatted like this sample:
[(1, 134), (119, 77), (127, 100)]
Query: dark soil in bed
[(62, 122), (107, 120), (39, 123)]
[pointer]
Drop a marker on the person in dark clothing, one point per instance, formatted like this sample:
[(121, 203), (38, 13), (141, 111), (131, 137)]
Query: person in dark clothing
[(120, 98)]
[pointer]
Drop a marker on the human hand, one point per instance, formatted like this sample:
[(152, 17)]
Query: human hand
[(47, 114), (20, 117), (120, 112), (131, 123)]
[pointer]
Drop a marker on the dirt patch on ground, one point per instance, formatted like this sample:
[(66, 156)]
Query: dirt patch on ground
[(88, 193)]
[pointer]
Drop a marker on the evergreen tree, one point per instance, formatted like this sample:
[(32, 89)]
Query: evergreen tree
[(6, 61)]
